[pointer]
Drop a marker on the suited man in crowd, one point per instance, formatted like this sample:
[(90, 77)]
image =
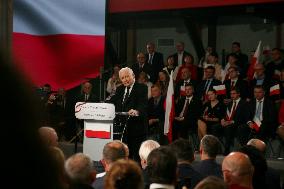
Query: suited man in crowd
[(180, 54), (237, 114), (86, 93), (188, 110), (206, 84), (262, 110), (131, 97), (155, 59), (142, 66)]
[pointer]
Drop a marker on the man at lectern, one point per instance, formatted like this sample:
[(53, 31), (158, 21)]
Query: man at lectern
[(132, 97)]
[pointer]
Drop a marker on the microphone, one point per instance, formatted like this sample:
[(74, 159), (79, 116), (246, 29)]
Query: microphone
[(122, 113)]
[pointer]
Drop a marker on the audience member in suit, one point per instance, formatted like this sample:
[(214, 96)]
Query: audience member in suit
[(213, 112), (28, 162), (188, 63), (273, 68), (206, 84), (156, 114), (237, 114), (80, 171), (211, 182), (242, 58), (260, 166), (238, 171), (185, 79), (86, 93), (262, 118), (162, 168), (188, 110), (235, 82), (124, 174), (180, 54), (112, 152), (185, 156), (144, 151), (210, 147), (272, 176), (131, 97), (213, 61), (260, 79), (142, 66), (155, 59)]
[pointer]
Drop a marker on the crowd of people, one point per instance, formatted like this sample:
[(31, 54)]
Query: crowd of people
[(246, 111)]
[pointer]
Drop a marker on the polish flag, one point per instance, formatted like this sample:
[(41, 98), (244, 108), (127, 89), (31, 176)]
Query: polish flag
[(274, 90), (98, 131), (169, 113), (256, 124), (60, 42), (253, 62), (220, 89)]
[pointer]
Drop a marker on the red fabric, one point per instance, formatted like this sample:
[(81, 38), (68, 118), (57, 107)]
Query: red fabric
[(192, 68), (116, 6), (281, 112), (97, 134), (63, 60)]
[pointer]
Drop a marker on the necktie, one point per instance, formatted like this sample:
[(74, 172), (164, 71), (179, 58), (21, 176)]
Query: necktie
[(258, 110), (126, 94), (233, 110), (86, 97), (232, 85), (185, 108), (150, 59)]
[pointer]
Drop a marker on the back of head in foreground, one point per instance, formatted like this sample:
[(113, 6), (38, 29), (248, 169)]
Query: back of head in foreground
[(124, 174), (211, 182), (30, 164), (162, 166), (238, 169)]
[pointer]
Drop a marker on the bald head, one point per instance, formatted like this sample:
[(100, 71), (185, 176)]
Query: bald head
[(237, 169), (48, 136), (258, 144)]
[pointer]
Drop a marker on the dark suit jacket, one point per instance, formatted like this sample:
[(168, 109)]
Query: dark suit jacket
[(209, 167), (200, 90), (272, 178), (92, 98), (242, 85), (176, 57), (186, 170), (137, 100), (99, 183), (156, 111), (147, 68), (269, 115), (193, 113), (157, 64), (267, 83), (181, 83), (241, 116)]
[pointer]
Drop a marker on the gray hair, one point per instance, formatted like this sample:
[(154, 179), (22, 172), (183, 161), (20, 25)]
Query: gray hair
[(79, 167), (127, 70), (146, 147)]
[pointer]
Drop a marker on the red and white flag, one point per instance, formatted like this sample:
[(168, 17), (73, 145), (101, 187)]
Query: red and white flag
[(60, 42), (256, 124), (274, 90), (220, 89), (169, 113), (98, 131), (253, 62)]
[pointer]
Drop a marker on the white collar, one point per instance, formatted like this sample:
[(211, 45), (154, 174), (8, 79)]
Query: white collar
[(159, 186)]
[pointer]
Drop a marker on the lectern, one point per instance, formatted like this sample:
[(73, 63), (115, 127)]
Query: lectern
[(98, 126)]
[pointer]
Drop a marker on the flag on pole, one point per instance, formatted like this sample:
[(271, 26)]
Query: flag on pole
[(220, 89), (60, 42), (169, 113), (274, 90), (253, 62)]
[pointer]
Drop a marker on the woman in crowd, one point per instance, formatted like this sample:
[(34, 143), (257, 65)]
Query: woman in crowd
[(163, 82)]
